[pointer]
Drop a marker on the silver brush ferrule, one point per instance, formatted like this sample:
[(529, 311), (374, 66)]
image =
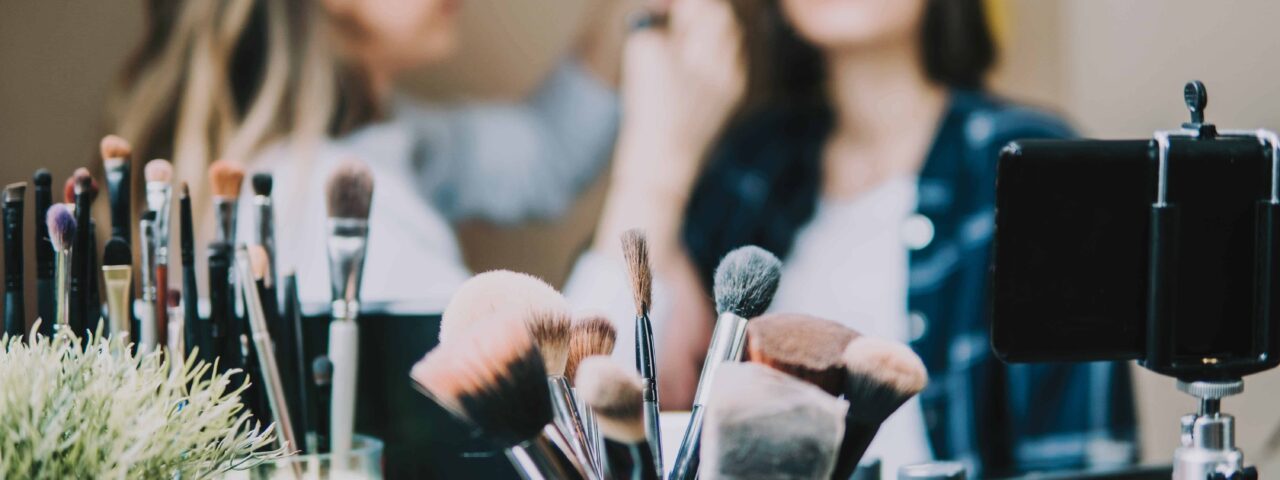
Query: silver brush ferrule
[(727, 341), (543, 458), (348, 238), (224, 210), (158, 200)]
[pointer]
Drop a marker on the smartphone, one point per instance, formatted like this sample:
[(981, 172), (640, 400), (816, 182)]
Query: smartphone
[(1072, 265)]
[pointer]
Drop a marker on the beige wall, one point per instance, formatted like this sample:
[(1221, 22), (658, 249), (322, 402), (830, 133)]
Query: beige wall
[(1115, 68)]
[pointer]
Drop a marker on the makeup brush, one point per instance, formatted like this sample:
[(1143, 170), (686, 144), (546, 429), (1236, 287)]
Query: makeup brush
[(745, 282), (882, 375), (550, 330), (62, 227), (225, 179), (616, 395), (266, 236), (635, 250), (291, 346), (84, 191), (506, 294), (159, 196), (145, 336), (762, 423), (500, 294), (264, 348), (15, 310), (117, 275), (349, 192), (806, 347), (45, 288), (177, 337), (590, 335), (198, 338), (496, 381), (115, 160)]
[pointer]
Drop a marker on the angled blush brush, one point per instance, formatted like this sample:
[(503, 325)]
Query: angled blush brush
[(264, 349), (506, 294), (349, 193), (497, 383), (15, 310), (635, 251), (45, 287), (745, 282), (115, 161), (616, 395), (882, 375)]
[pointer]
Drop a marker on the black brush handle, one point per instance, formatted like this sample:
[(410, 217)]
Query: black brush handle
[(77, 292), (93, 292), (15, 311), (118, 196), (292, 353), (196, 331), (45, 303), (630, 461), (222, 327), (286, 342), (319, 411)]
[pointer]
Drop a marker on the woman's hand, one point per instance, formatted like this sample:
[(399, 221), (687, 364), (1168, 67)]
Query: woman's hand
[(680, 84)]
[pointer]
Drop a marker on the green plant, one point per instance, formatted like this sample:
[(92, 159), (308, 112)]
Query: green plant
[(73, 408)]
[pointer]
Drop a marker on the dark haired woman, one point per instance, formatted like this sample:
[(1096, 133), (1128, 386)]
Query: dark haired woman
[(855, 141)]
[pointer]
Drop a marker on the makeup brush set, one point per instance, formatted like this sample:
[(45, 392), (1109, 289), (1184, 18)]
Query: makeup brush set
[(782, 396), (246, 327)]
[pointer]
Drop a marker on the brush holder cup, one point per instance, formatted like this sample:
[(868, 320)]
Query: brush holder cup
[(421, 439), (363, 463)]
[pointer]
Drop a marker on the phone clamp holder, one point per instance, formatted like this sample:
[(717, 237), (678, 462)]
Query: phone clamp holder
[(1207, 449)]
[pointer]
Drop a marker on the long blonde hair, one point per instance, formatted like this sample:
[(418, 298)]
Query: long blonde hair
[(223, 78)]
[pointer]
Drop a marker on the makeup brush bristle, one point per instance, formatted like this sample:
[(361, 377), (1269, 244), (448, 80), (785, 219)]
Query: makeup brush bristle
[(616, 394), (550, 330), (635, 249), (495, 380), (117, 253), (745, 281), (62, 226), (882, 375), (590, 335), (259, 262), (225, 178), (350, 190), (184, 191), (42, 178), (161, 171), (762, 423), (114, 150), (262, 183), (497, 294), (14, 192), (803, 346)]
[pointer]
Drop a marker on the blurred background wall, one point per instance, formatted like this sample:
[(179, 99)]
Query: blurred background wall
[(1115, 69)]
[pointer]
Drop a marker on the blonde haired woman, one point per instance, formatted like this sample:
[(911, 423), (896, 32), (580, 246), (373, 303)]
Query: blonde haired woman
[(292, 86)]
